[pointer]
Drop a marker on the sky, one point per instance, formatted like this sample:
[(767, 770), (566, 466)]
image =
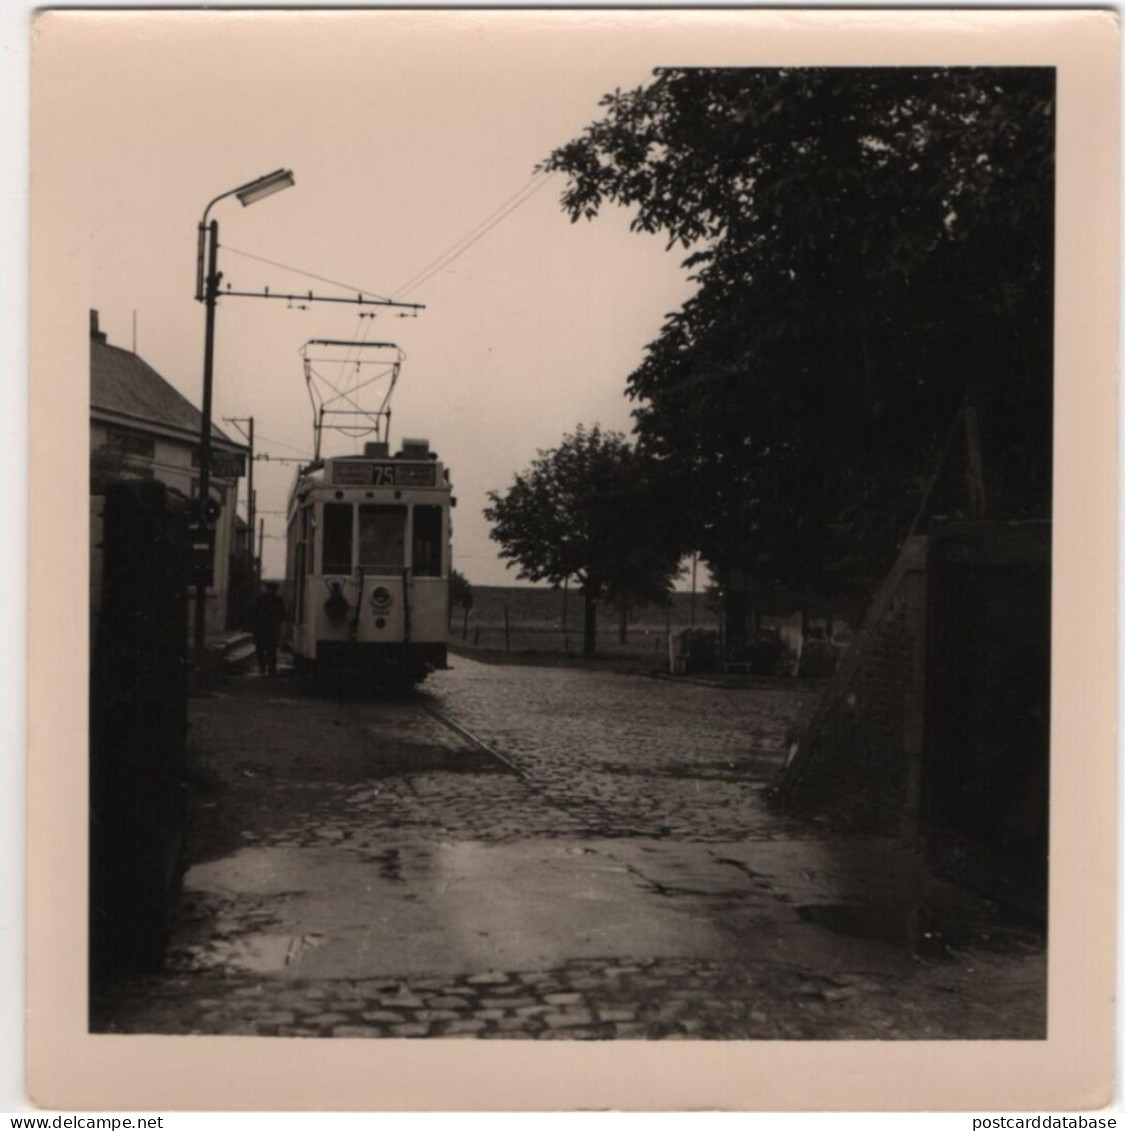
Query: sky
[(403, 135)]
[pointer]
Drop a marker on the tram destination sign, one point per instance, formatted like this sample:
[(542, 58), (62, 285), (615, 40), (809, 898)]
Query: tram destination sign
[(383, 473)]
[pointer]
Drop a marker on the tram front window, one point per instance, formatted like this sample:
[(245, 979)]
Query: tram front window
[(427, 541), (336, 552), (382, 538)]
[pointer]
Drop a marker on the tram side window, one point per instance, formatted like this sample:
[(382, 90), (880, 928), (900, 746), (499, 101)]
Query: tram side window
[(427, 541), (382, 537), (336, 551)]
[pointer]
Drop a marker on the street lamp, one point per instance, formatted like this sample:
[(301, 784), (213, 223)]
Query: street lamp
[(207, 292), (265, 186)]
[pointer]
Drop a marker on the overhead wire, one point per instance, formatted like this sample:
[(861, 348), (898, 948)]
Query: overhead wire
[(469, 240), (474, 234), (366, 328), (281, 444), (409, 282), (451, 253), (307, 274)]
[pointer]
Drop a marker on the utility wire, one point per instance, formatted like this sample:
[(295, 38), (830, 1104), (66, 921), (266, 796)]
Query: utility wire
[(473, 236), (456, 243), (281, 444), (354, 385), (451, 253), (365, 326), (307, 274), (459, 247)]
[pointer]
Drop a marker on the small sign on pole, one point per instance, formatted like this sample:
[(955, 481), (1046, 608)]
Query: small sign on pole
[(203, 555)]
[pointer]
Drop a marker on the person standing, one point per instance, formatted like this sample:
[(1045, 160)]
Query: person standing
[(269, 613)]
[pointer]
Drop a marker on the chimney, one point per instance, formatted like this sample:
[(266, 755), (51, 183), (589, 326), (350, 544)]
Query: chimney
[(95, 333)]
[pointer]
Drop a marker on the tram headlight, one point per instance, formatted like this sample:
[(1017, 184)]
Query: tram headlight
[(381, 599)]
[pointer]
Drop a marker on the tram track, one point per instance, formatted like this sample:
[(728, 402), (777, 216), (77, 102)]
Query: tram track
[(474, 740), (594, 815)]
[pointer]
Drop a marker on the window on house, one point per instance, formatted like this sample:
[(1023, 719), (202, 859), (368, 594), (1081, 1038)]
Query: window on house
[(382, 538), (427, 541), (336, 551)]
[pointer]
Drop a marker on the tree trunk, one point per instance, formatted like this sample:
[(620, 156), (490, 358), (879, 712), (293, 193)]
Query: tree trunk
[(974, 471), (589, 621)]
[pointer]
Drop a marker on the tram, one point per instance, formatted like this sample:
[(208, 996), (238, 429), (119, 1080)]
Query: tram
[(367, 566)]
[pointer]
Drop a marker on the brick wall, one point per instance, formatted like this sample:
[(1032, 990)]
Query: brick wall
[(858, 764)]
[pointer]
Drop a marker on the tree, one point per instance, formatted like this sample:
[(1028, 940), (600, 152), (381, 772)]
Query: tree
[(460, 593), (874, 257), (588, 510)]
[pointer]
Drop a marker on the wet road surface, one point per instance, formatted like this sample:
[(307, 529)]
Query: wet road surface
[(364, 869)]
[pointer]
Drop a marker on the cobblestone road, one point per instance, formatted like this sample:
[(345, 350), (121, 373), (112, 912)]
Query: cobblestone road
[(361, 870), (633, 755)]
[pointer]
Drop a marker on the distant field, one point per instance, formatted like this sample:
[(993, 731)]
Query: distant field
[(536, 624), (541, 622), (638, 643), (543, 609)]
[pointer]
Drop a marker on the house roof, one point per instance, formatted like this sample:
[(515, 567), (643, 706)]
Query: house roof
[(125, 385)]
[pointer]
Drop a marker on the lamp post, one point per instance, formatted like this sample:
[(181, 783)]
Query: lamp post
[(207, 292)]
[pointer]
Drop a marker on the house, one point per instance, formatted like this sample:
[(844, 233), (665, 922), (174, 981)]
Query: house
[(142, 428)]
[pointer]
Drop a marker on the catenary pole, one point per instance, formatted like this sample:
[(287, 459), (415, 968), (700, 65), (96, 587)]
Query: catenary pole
[(251, 503), (211, 287)]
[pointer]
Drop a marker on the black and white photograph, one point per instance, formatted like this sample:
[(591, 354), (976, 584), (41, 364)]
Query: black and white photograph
[(570, 525)]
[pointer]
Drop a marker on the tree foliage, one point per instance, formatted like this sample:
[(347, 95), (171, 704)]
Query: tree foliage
[(460, 590), (461, 594), (588, 511), (873, 251)]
